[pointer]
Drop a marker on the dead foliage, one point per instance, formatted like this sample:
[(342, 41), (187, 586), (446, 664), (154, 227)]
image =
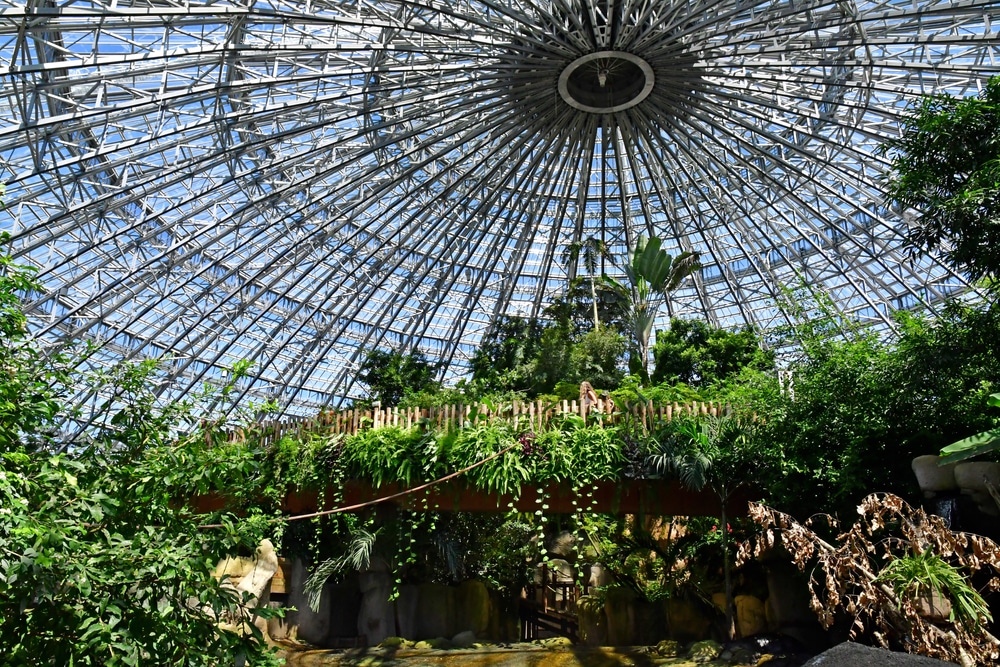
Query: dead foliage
[(844, 577)]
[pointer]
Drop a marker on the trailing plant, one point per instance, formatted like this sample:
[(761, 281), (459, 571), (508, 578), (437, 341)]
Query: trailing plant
[(869, 572), (481, 440), (392, 454)]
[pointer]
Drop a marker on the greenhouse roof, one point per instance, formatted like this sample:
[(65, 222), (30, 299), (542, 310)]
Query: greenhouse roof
[(298, 182)]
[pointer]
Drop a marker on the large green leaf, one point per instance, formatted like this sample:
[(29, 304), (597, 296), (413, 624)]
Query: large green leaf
[(974, 445)]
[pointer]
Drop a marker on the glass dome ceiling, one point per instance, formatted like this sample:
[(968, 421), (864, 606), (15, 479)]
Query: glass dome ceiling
[(298, 182)]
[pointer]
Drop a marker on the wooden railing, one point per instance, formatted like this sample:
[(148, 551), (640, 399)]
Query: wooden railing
[(530, 414)]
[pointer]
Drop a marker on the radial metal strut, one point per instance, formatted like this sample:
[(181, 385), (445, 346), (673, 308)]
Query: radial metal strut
[(296, 183)]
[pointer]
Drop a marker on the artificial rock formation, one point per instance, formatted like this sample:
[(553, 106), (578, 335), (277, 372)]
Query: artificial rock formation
[(249, 575)]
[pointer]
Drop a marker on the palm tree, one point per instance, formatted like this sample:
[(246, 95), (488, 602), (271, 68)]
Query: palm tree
[(722, 454), (592, 250), (654, 275)]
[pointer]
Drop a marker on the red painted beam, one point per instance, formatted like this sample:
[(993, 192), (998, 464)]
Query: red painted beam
[(638, 496)]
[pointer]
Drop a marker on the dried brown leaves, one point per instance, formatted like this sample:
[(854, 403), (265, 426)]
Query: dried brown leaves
[(844, 576)]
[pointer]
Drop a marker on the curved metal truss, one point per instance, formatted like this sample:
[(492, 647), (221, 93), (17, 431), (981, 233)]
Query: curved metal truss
[(295, 182)]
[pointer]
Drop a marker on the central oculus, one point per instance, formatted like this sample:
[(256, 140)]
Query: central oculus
[(606, 81)]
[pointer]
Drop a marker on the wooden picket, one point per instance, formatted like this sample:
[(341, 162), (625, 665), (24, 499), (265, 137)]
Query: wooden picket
[(535, 415)]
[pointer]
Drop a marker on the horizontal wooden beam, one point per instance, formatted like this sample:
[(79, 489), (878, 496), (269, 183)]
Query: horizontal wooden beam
[(634, 496)]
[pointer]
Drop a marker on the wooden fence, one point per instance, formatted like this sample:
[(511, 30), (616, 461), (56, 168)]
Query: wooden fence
[(529, 414)]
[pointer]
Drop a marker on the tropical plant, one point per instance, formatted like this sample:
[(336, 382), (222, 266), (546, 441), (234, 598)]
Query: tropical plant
[(355, 557), (593, 251), (721, 453), (922, 574), (653, 275), (390, 375), (946, 170), (974, 445), (505, 358), (869, 572), (700, 355), (596, 358)]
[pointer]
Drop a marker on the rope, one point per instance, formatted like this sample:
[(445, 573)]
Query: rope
[(351, 508)]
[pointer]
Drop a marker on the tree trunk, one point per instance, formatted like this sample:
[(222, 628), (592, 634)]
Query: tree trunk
[(593, 299), (728, 576)]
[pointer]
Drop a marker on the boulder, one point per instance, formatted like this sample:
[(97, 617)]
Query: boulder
[(619, 609), (850, 654), (464, 639), (650, 623), (300, 621), (407, 610), (393, 642), (435, 611), (562, 545), (249, 576), (593, 624), (472, 606), (751, 615), (265, 564), (597, 576), (557, 569), (505, 621), (669, 648), (704, 651), (788, 598), (439, 643), (685, 621), (376, 618)]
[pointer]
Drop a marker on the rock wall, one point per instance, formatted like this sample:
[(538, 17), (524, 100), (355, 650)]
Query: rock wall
[(360, 611)]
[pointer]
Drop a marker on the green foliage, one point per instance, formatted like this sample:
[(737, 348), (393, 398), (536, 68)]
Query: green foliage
[(597, 358), (947, 168), (574, 307), (653, 275), (391, 375), (392, 454), (506, 357), (100, 566), (592, 251), (505, 474), (918, 574), (31, 384), (700, 355), (631, 390), (553, 362), (861, 408), (974, 445)]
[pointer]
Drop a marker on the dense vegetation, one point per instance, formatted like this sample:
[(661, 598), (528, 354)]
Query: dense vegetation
[(101, 565), (946, 171)]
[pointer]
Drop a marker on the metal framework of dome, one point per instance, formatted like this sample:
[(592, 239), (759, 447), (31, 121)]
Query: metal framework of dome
[(295, 182)]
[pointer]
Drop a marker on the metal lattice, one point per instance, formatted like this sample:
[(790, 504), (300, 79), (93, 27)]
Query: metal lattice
[(296, 182)]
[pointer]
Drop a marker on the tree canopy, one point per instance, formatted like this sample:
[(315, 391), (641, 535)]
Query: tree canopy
[(693, 352), (946, 167), (390, 375)]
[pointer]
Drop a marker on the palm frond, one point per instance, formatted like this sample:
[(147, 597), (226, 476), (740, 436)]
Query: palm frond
[(356, 557)]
